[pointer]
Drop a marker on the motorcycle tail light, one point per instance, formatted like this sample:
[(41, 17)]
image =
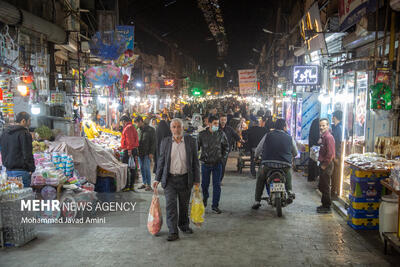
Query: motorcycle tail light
[(277, 180)]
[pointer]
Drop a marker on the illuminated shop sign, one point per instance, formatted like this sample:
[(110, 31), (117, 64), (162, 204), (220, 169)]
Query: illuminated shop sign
[(305, 75), (168, 84)]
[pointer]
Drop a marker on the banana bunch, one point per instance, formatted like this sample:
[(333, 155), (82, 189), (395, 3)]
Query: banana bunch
[(39, 146)]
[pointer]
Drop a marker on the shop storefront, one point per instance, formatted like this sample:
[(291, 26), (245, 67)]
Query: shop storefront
[(350, 95)]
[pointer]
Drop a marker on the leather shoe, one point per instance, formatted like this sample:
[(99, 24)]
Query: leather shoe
[(187, 230), (142, 186), (324, 210), (126, 189), (172, 237)]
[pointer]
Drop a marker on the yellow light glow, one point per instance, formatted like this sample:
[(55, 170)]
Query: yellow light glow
[(343, 151), (308, 21), (316, 25), (23, 89)]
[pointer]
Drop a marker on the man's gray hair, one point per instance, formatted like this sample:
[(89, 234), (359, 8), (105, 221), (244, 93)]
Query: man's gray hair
[(177, 120)]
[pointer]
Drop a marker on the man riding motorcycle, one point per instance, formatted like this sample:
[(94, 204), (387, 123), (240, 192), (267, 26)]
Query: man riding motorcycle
[(277, 149)]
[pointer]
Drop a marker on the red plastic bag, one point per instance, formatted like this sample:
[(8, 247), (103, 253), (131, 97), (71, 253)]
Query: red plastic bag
[(154, 221)]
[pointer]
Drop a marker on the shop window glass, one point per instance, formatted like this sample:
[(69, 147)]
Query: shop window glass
[(350, 95)]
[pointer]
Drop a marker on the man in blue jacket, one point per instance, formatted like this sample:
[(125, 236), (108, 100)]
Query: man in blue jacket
[(278, 151)]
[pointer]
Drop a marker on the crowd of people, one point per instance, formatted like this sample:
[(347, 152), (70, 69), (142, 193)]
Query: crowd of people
[(177, 165)]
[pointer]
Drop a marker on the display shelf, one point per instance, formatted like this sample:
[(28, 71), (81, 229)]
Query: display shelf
[(380, 171), (56, 118)]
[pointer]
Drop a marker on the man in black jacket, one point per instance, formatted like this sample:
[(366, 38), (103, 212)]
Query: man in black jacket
[(214, 151), (16, 149), (269, 123), (162, 131), (231, 135), (229, 116), (178, 170), (253, 138), (147, 148)]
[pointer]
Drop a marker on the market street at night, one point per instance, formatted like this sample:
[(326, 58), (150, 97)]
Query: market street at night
[(239, 236)]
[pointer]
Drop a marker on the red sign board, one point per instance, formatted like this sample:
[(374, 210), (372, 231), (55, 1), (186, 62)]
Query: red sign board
[(169, 83)]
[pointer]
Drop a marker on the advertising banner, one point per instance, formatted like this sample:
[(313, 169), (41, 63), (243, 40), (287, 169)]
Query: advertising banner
[(310, 111), (247, 81), (127, 32)]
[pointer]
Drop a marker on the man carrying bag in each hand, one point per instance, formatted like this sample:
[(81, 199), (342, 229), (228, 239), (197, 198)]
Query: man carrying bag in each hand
[(178, 169)]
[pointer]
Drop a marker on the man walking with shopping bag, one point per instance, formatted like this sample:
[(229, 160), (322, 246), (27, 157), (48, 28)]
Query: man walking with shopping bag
[(178, 170)]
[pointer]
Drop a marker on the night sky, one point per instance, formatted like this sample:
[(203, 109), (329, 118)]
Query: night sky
[(182, 22)]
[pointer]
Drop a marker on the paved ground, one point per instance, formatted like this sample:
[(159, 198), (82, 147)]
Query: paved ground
[(239, 236)]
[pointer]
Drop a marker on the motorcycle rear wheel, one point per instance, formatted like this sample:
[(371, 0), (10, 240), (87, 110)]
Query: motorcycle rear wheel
[(278, 204)]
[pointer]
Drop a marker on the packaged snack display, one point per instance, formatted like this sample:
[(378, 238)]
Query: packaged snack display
[(370, 161), (12, 189), (395, 177), (16, 234)]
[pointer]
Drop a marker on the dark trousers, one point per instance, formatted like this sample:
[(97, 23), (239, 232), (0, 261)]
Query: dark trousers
[(177, 189), (262, 179), (252, 163), (313, 170), (223, 168), (132, 173), (335, 190), (216, 171), (324, 185)]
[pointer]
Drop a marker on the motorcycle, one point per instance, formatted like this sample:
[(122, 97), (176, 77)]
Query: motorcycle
[(278, 196)]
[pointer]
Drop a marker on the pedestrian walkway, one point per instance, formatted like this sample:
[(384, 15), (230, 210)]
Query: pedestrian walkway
[(237, 237)]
